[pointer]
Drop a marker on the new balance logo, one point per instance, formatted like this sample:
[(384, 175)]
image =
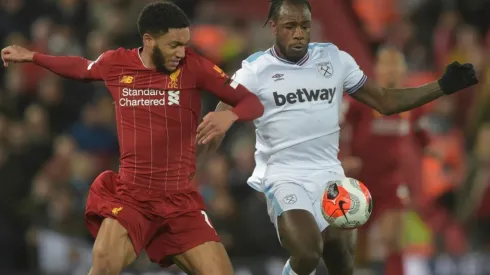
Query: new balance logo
[(305, 95), (127, 79)]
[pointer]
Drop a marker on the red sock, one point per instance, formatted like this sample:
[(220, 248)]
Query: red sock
[(394, 264)]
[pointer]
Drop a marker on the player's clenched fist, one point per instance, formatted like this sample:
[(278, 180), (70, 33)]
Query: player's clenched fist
[(457, 77), (16, 54), (215, 124)]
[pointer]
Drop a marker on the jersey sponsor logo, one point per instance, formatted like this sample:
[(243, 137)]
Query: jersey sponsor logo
[(174, 80), (305, 95), (325, 69), (127, 79), (148, 97)]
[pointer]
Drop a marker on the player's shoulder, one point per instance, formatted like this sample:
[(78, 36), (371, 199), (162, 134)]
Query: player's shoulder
[(329, 51), (255, 57), (319, 50), (195, 61), (257, 61), (120, 56)]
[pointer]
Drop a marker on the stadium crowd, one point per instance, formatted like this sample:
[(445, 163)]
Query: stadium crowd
[(57, 135)]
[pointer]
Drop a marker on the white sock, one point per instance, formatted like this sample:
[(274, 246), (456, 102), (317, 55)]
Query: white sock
[(287, 270)]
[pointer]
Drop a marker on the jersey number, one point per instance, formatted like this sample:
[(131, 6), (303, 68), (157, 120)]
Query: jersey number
[(206, 218)]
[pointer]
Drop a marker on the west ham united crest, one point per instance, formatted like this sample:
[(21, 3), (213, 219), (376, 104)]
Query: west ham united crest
[(325, 69)]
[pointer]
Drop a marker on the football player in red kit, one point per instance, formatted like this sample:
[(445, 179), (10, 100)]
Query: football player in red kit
[(386, 146), (151, 203)]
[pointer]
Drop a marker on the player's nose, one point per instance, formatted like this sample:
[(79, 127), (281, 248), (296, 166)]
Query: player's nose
[(180, 52), (298, 34)]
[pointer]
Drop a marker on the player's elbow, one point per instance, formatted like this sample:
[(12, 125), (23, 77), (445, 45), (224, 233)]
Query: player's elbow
[(386, 108), (386, 111)]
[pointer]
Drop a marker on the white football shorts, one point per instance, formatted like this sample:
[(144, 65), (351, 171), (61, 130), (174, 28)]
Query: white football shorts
[(298, 192)]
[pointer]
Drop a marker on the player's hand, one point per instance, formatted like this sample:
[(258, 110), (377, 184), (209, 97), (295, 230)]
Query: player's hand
[(16, 54), (457, 77), (215, 124)]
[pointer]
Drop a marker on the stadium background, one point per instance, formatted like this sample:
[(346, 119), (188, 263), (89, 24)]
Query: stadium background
[(56, 135)]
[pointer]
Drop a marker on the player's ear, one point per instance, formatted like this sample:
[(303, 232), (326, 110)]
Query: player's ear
[(273, 27), (148, 40)]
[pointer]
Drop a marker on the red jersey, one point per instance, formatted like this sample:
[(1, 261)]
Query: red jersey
[(385, 144), (157, 114)]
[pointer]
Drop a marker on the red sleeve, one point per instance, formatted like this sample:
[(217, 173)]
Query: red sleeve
[(75, 67), (210, 77)]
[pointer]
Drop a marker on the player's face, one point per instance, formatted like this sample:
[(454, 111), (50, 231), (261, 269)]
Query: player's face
[(292, 31), (169, 49), (391, 69)]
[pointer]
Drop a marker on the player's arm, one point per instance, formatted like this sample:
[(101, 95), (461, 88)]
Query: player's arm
[(246, 105), (204, 150), (66, 66), (245, 77), (388, 101)]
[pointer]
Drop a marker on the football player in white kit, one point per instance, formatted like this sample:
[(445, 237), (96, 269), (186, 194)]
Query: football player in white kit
[(297, 139)]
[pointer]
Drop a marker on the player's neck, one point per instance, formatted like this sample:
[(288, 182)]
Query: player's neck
[(278, 52), (145, 56)]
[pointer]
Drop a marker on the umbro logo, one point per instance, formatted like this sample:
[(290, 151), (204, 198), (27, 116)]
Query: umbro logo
[(278, 77)]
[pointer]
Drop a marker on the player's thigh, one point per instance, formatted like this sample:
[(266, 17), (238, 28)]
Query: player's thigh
[(339, 249), (121, 231), (383, 235), (113, 245), (291, 211), (207, 258), (390, 225), (190, 241)]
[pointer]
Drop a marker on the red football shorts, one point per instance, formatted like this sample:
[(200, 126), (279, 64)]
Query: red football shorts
[(386, 196), (163, 228)]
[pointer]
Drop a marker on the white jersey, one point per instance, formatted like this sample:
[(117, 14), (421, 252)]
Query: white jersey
[(299, 130)]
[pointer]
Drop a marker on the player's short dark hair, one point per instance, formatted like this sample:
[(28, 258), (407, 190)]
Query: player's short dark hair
[(275, 7), (158, 17)]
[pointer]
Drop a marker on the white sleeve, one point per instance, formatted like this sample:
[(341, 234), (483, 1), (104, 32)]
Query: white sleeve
[(354, 77), (247, 77)]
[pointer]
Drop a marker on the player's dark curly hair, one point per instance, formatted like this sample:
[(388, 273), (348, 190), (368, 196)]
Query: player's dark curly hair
[(158, 17), (275, 7)]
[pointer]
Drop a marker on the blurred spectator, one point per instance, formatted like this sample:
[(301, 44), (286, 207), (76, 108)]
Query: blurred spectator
[(56, 134)]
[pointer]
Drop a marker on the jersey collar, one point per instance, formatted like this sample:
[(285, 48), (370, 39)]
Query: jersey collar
[(300, 62)]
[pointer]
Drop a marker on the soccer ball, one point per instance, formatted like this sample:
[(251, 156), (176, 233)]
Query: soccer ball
[(346, 203)]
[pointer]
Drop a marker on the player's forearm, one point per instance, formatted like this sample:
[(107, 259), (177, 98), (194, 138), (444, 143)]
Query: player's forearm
[(66, 66), (401, 100), (247, 106)]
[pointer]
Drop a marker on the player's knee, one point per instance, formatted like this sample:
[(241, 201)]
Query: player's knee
[(103, 264), (309, 254)]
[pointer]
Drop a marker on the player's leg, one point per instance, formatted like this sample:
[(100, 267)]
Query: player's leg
[(388, 239), (291, 211), (339, 250), (301, 237), (384, 251), (190, 241), (207, 258), (113, 249), (120, 230)]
